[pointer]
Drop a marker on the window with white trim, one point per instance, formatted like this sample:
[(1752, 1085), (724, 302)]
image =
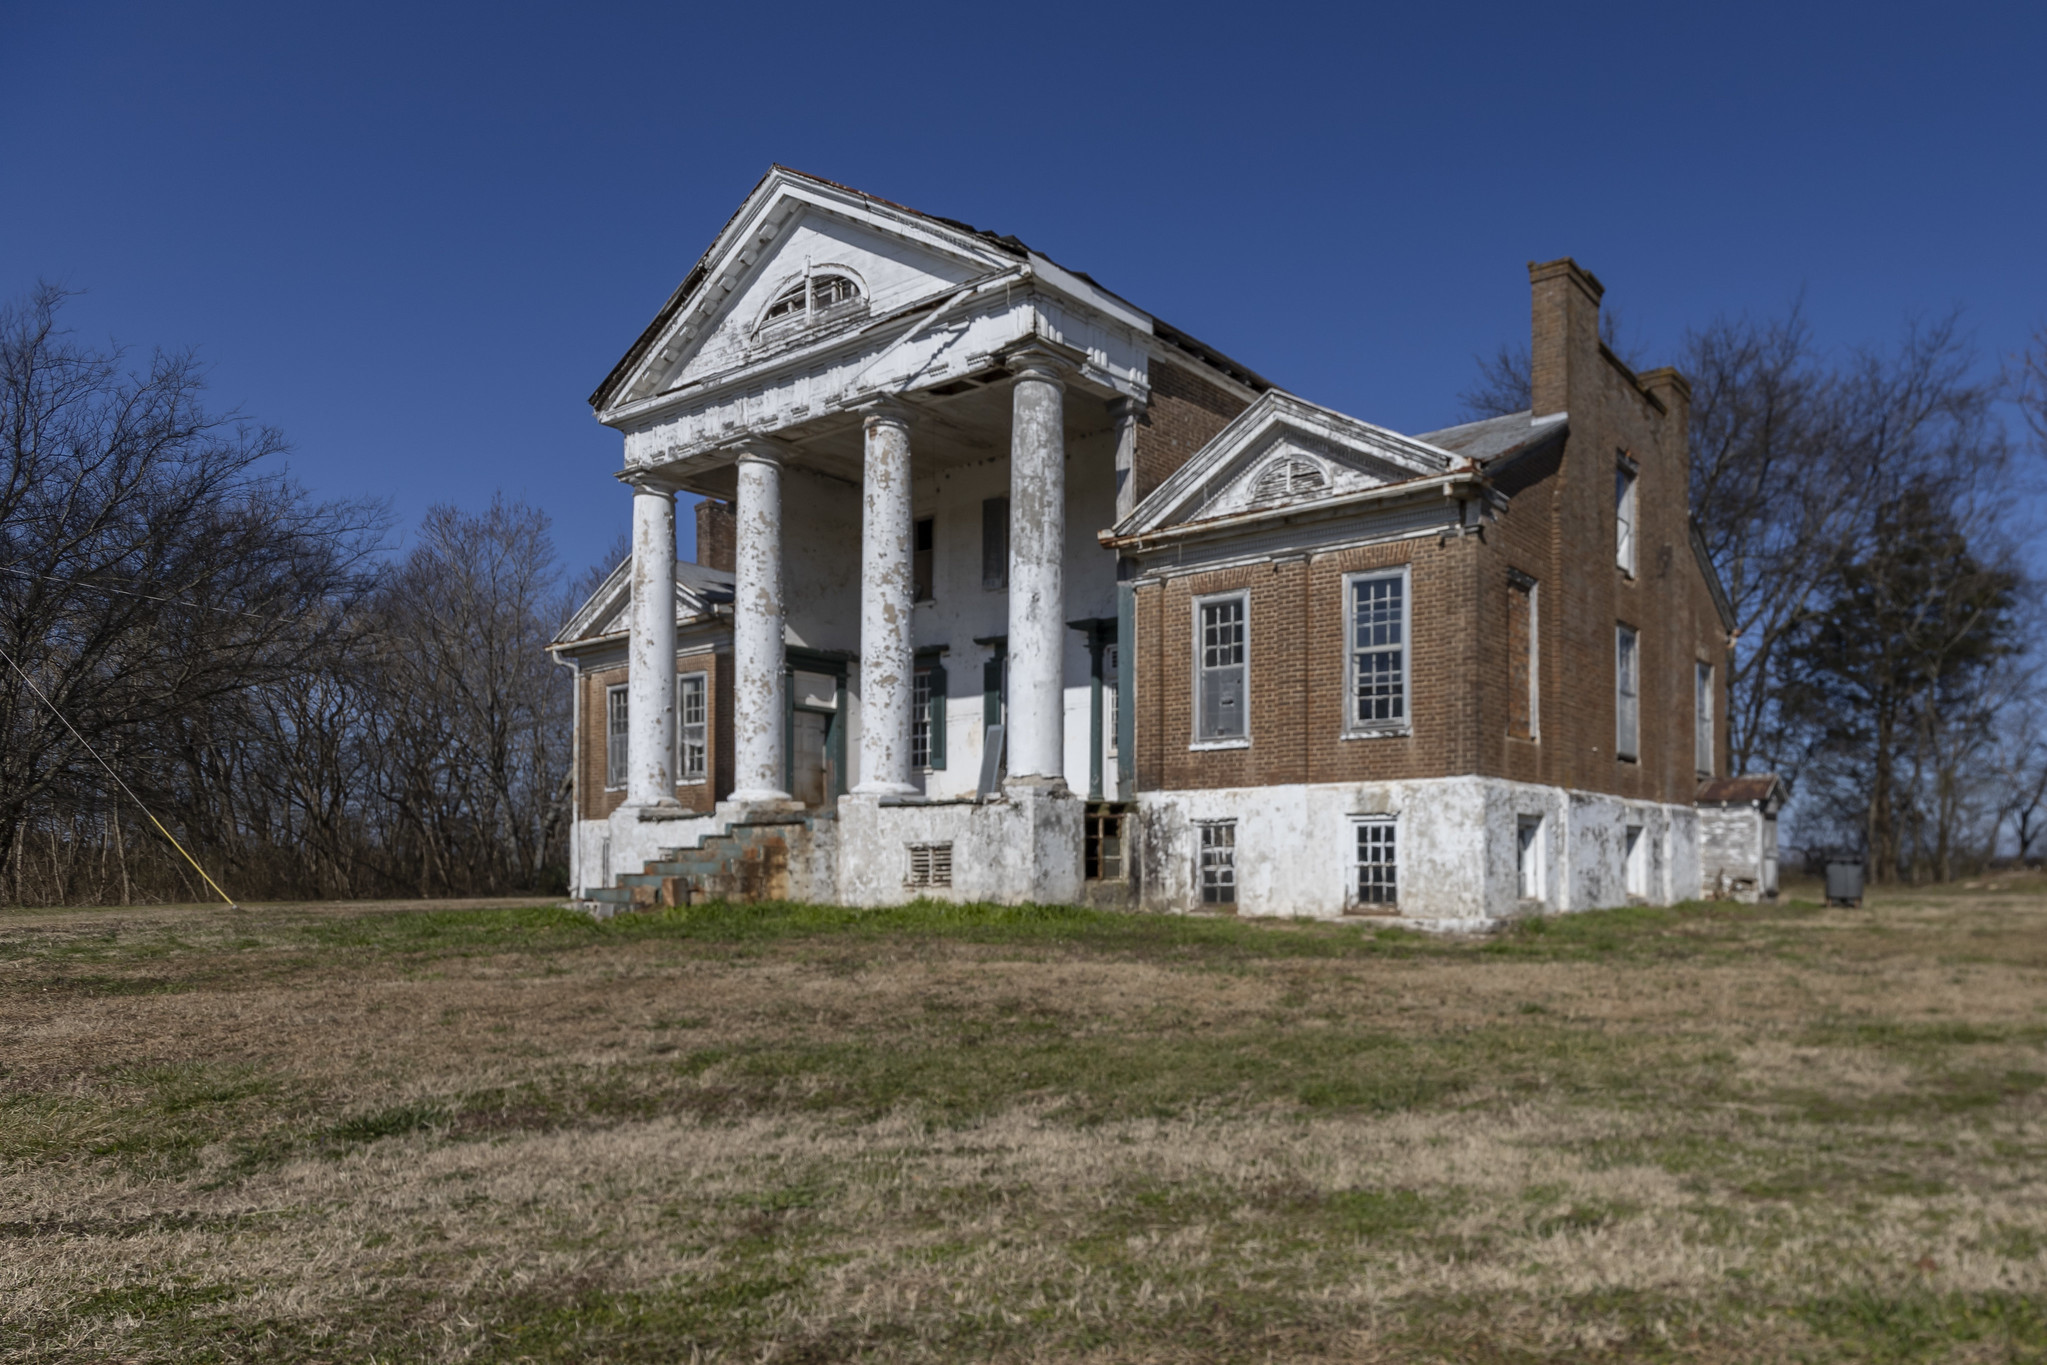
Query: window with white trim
[(1218, 862), (920, 720), (692, 727), (1528, 871), (1112, 692), (1702, 719), (811, 298), (1221, 668), (1627, 688), (615, 737), (1378, 653), (1624, 516), (1378, 864)]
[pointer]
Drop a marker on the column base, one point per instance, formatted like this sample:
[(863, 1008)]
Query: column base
[(1035, 787), (743, 806), (670, 809), (887, 790)]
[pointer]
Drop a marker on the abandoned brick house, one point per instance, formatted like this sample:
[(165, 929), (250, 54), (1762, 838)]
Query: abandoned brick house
[(1008, 590)]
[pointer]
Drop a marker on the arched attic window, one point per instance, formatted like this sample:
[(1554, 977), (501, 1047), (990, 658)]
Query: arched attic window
[(812, 298), (1289, 476)]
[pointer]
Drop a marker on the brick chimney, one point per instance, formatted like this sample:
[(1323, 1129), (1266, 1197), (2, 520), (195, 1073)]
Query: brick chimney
[(717, 535), (1566, 330)]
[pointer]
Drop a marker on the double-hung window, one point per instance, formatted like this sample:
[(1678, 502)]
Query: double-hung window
[(615, 732), (1702, 719), (692, 728), (1624, 515), (1627, 687), (1377, 622), (1221, 669), (1378, 881)]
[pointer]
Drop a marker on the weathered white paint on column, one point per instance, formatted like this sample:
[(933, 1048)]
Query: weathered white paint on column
[(1037, 575), (650, 681), (887, 667), (1126, 412), (757, 615)]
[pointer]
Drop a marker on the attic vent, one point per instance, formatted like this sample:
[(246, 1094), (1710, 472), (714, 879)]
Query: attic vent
[(811, 299), (1288, 477), (930, 865)]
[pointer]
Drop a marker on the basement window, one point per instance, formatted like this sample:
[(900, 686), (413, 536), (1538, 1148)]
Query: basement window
[(1528, 868), (930, 865), (1635, 862), (1103, 855), (1378, 866), (1219, 862)]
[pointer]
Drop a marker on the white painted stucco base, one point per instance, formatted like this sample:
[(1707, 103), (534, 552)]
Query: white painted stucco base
[(1024, 847), (1458, 841)]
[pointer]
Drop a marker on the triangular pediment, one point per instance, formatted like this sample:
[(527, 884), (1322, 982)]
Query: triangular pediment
[(1279, 454), (606, 611), (842, 258)]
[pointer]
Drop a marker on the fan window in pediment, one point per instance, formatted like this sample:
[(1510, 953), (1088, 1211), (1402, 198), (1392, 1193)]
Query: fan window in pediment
[(1289, 476), (812, 299)]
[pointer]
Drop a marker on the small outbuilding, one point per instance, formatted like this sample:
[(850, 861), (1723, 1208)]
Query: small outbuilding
[(1738, 836)]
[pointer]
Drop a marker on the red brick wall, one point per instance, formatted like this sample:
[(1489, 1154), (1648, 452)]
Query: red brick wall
[(595, 802), (1560, 530), (717, 535), (1185, 413)]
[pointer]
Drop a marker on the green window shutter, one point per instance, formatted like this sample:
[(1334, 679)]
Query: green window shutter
[(937, 722)]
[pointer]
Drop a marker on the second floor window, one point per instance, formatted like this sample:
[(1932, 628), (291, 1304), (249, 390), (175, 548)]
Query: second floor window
[(1624, 518), (1627, 686), (1378, 651), (923, 534), (1221, 669), (1702, 718), (692, 728)]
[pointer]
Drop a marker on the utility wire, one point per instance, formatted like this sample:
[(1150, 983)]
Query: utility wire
[(117, 780), (145, 596)]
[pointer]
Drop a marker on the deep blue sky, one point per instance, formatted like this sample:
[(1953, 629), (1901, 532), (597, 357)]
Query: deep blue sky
[(415, 237)]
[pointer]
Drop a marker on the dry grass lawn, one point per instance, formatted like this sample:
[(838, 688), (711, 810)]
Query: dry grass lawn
[(491, 1132)]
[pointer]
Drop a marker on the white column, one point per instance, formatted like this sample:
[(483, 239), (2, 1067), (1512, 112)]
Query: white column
[(650, 680), (1126, 412), (757, 656), (887, 666), (1037, 575)]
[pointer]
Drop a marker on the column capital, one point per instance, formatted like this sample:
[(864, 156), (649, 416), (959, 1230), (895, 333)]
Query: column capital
[(647, 479), (757, 450), (1040, 362), (882, 410)]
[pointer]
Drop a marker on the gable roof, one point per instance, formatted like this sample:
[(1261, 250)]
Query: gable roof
[(735, 251), (699, 592), (1493, 439), (1280, 453)]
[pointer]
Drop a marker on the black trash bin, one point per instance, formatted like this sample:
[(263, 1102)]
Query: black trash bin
[(1844, 882)]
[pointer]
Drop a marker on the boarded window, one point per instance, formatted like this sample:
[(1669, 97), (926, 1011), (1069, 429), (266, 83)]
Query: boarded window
[(1378, 650), (1627, 673), (615, 737), (1290, 476), (1219, 863), (692, 733), (1624, 517), (1702, 719), (1521, 670), (1528, 869), (923, 534), (995, 543), (1378, 862), (1220, 669)]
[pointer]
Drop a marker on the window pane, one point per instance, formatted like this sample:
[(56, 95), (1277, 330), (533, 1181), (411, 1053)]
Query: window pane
[(1377, 875), (1223, 673), (1378, 650), (920, 720), (1627, 701), (1219, 863), (692, 710)]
